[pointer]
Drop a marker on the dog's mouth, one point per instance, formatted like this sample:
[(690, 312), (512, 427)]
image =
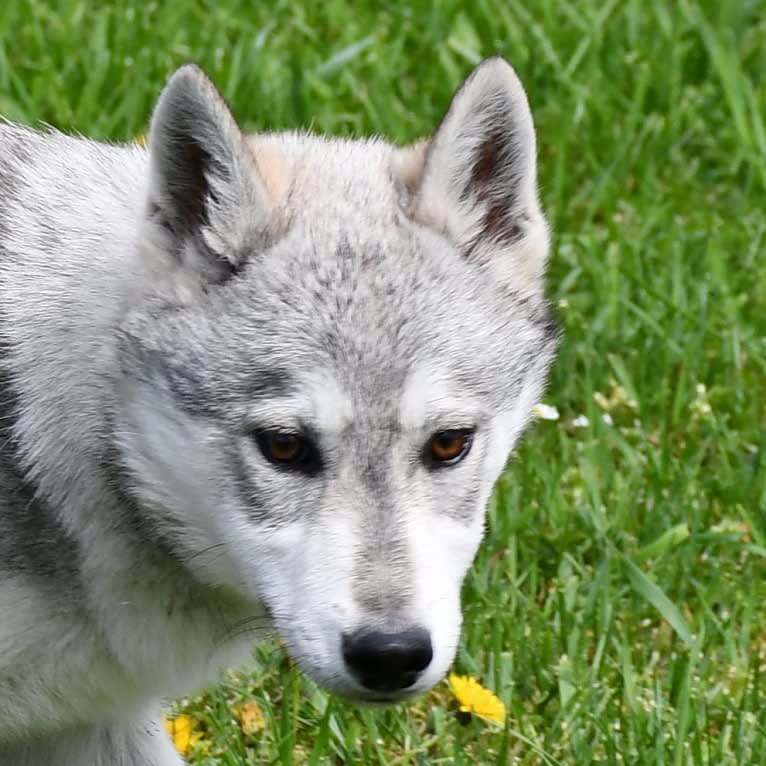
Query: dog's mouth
[(380, 700), (374, 701), (365, 697), (344, 687)]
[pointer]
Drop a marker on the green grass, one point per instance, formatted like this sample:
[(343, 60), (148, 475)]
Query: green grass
[(618, 605)]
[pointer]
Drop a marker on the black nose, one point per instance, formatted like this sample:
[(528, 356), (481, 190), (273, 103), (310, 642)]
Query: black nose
[(387, 662)]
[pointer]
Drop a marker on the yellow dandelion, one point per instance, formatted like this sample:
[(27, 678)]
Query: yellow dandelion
[(251, 719), (142, 139), (181, 730), (473, 698)]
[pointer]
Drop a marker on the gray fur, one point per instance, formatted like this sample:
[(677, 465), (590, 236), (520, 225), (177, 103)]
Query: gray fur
[(159, 308), (138, 742)]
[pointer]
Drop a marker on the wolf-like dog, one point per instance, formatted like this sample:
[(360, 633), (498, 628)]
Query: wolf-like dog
[(252, 383)]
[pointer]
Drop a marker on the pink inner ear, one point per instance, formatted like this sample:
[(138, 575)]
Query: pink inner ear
[(488, 163), (491, 185), (501, 224)]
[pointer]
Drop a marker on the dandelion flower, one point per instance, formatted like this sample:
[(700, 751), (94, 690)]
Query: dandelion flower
[(251, 719), (473, 698), (181, 730)]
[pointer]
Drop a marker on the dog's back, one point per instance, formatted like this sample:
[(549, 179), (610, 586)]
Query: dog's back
[(69, 213), (68, 210)]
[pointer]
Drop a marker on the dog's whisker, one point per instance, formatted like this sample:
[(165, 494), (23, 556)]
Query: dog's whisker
[(198, 554)]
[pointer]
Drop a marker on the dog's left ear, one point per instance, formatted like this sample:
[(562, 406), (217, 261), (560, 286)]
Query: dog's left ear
[(475, 180), (207, 204)]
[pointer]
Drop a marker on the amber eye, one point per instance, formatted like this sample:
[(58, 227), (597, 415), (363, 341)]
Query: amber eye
[(449, 447), (287, 449), (283, 448)]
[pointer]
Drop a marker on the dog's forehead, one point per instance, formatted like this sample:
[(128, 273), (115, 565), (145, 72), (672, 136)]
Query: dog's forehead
[(378, 311), (383, 361), (369, 305), (350, 256)]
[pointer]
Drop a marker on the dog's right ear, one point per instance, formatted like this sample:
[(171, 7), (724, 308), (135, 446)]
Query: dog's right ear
[(207, 202)]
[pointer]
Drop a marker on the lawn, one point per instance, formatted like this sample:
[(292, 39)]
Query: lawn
[(618, 604)]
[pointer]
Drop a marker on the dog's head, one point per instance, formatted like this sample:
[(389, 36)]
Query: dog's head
[(339, 346)]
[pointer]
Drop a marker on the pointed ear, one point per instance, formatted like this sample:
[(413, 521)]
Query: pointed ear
[(206, 197), (476, 179)]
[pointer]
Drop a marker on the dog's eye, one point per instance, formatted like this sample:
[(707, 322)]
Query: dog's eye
[(449, 447), (283, 447), (287, 449)]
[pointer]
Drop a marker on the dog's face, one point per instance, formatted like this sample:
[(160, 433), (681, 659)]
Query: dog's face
[(342, 345)]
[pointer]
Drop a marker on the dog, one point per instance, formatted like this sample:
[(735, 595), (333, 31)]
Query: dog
[(252, 383)]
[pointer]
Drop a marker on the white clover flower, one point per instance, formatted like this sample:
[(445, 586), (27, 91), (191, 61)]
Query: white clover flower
[(545, 412)]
